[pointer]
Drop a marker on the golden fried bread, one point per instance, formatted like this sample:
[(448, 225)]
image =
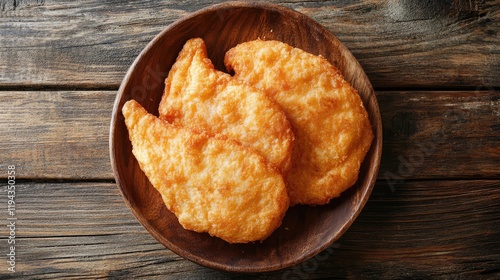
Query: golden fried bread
[(198, 96), (331, 126), (211, 184)]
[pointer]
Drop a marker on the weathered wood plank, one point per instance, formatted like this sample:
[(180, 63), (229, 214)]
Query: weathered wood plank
[(90, 44), (56, 134), (423, 229), (431, 134), (64, 134)]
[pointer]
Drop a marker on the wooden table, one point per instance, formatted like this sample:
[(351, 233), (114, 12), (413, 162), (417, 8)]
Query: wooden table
[(434, 212)]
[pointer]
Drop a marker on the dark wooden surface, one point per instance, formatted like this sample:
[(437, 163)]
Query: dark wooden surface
[(434, 212)]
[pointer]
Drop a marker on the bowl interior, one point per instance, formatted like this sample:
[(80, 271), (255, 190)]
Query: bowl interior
[(305, 230)]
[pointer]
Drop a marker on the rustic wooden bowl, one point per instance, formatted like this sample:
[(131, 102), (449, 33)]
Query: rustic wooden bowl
[(306, 230)]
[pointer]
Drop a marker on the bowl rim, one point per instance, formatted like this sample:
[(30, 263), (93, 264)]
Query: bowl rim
[(371, 172)]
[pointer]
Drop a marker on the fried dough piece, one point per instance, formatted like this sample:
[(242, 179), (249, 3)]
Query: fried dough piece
[(331, 126), (197, 95), (212, 185)]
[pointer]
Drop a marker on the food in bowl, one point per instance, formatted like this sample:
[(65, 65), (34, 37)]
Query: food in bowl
[(331, 126), (212, 184), (196, 95), (213, 177)]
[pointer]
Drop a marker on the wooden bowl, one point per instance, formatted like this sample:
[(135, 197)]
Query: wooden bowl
[(306, 230)]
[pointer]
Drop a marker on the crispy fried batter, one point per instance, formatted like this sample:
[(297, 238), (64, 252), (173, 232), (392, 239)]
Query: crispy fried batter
[(331, 126), (211, 184), (197, 95)]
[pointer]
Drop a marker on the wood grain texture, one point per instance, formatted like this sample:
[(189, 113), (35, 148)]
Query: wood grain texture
[(434, 212), (91, 44), (56, 135), (64, 134), (430, 134), (423, 229)]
